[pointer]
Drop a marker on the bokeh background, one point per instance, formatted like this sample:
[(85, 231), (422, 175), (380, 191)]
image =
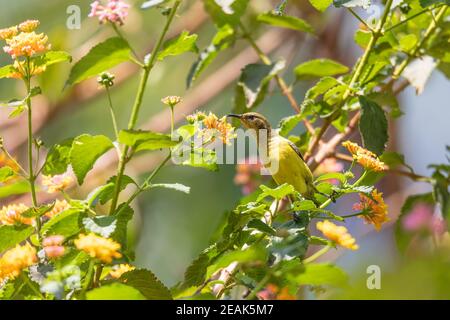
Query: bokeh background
[(171, 228)]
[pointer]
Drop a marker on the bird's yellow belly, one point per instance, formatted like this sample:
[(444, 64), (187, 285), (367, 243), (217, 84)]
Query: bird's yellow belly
[(286, 166)]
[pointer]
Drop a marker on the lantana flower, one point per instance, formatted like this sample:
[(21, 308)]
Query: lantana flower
[(26, 44), (17, 259), (57, 183), (171, 101), (115, 11), (12, 214), (53, 247), (104, 249), (338, 234), (118, 270), (374, 211), (213, 124), (364, 157)]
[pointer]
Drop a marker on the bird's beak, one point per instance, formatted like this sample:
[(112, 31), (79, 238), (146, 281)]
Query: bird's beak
[(232, 115)]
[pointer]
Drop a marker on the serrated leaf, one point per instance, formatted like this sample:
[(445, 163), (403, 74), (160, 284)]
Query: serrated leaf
[(427, 3), (224, 37), (183, 43), (202, 158), (322, 274), (261, 226), (352, 3), (225, 11), (58, 158), (51, 57), (174, 186), (332, 175), (196, 272), (288, 124), (6, 173), (115, 291), (278, 193), (103, 226), (146, 140), (86, 150), (321, 87), (99, 59), (67, 223), (107, 192), (284, 21), (373, 126), (304, 205), (253, 83), (123, 215), (147, 283), (10, 236), (321, 5), (318, 68)]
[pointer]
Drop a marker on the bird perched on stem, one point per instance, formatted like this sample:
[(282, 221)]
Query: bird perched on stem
[(279, 155)]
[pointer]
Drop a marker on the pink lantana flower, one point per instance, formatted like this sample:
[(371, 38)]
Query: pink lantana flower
[(115, 11)]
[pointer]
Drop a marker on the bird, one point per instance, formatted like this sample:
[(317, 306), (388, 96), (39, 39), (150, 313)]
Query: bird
[(290, 165)]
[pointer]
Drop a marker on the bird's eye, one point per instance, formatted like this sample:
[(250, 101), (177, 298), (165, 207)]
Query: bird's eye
[(251, 118)]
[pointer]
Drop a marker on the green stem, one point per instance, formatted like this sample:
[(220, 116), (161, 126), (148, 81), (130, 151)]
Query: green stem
[(136, 56), (89, 277), (113, 115), (259, 286), (172, 121), (138, 102), (361, 213), (360, 19), (410, 18), (317, 254), (27, 281)]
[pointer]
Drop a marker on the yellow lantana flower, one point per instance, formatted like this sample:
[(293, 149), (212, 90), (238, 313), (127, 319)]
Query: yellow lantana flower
[(364, 157), (12, 214), (98, 247), (225, 130), (118, 270), (57, 183), (26, 44), (17, 259), (375, 212), (337, 234)]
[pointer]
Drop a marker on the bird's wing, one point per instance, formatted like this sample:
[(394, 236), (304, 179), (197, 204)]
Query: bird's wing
[(296, 149)]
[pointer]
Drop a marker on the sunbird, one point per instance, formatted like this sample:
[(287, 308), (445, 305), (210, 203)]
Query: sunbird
[(291, 167)]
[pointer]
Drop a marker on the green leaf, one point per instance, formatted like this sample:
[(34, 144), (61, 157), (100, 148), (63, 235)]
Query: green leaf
[(115, 291), (225, 12), (304, 205), (319, 68), (261, 226), (288, 124), (253, 84), (86, 150), (51, 57), (394, 160), (294, 245), (427, 3), (10, 236), (202, 158), (352, 3), (38, 212), (321, 5), (107, 191), (7, 71), (251, 254), (68, 223), (402, 236), (408, 42), (104, 225), (183, 43), (175, 186), (288, 22), (278, 193), (321, 87), (58, 158), (322, 274), (373, 126), (224, 37), (101, 58), (123, 214), (15, 188), (147, 284), (6, 173), (146, 140), (332, 175)]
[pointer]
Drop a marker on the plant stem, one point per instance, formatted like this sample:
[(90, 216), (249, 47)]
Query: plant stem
[(317, 254), (360, 19), (172, 121), (31, 176), (89, 277), (280, 81), (113, 115), (27, 281), (148, 66), (259, 286), (409, 18), (116, 29), (353, 215)]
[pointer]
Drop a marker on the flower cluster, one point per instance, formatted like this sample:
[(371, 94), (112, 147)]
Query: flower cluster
[(374, 210), (12, 214), (98, 247), (118, 270), (58, 183), (171, 101), (23, 41), (273, 292), (364, 157), (115, 11), (17, 259), (215, 125), (337, 234), (53, 247)]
